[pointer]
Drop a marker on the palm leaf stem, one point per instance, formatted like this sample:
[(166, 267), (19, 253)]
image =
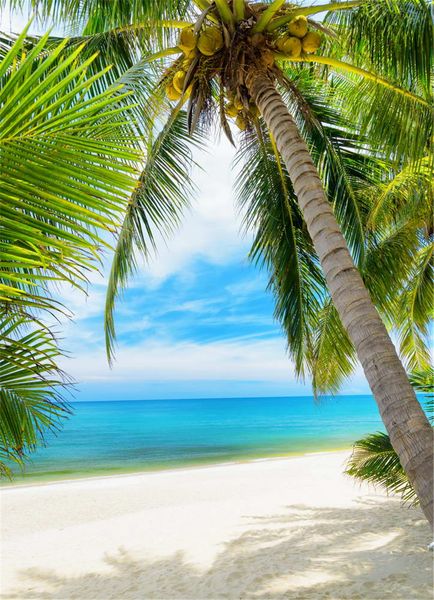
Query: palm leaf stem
[(238, 7), (267, 15), (312, 10), (166, 24), (338, 64), (225, 12)]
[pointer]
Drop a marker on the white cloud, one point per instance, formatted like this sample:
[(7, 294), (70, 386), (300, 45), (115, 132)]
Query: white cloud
[(151, 360), (210, 231), (246, 359)]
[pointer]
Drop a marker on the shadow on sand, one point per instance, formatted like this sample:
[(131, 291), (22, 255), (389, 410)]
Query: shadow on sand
[(302, 553)]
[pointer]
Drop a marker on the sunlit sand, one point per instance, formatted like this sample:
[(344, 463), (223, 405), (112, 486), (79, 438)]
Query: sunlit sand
[(285, 528)]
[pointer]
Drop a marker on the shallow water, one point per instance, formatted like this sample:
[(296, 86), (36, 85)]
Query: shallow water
[(103, 438)]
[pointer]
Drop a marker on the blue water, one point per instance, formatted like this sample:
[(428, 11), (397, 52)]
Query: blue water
[(113, 437)]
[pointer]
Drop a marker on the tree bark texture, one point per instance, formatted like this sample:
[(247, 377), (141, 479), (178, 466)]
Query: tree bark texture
[(408, 427)]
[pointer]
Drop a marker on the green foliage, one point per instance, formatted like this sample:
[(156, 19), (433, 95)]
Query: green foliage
[(67, 167), (394, 39), (375, 461), (30, 388), (155, 208), (281, 242), (98, 15)]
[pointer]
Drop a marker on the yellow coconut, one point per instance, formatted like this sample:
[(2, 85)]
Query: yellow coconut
[(187, 40), (298, 26), (172, 93), (311, 42), (231, 110), (238, 103), (290, 46), (241, 122), (210, 41), (178, 81)]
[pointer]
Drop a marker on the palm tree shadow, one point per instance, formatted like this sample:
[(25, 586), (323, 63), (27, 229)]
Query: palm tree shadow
[(303, 553)]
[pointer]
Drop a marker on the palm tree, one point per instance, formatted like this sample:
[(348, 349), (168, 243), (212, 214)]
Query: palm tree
[(397, 268), (242, 59), (374, 459), (67, 167)]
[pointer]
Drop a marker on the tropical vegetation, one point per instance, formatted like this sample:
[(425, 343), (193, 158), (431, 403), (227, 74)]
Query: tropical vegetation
[(335, 120), (67, 169), (374, 459)]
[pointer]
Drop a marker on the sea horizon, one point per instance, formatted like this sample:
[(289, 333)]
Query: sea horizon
[(318, 399), (132, 436)]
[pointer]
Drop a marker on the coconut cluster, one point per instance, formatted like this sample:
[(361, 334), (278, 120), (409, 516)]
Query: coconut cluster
[(242, 112), (298, 40), (294, 41)]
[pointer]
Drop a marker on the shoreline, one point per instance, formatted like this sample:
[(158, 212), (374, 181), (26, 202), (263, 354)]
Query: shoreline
[(289, 527), (47, 480)]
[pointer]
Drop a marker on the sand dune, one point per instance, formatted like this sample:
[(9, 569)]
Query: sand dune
[(288, 528)]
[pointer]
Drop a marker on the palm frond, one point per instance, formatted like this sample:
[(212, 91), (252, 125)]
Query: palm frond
[(375, 461), (100, 15), (333, 357), (155, 208), (67, 166), (281, 243), (423, 381), (392, 37), (30, 388), (415, 311)]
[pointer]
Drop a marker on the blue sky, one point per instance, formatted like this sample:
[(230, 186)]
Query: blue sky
[(196, 321)]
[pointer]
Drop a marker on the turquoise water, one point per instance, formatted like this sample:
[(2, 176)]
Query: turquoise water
[(103, 438)]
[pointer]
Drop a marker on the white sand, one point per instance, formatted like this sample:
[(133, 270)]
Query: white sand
[(292, 528)]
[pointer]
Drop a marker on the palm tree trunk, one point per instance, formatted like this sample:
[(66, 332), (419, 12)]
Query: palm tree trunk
[(403, 417)]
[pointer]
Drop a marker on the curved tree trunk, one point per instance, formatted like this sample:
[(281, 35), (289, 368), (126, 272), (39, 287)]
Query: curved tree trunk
[(409, 430)]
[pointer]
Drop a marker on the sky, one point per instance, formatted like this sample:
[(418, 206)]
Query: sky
[(196, 320)]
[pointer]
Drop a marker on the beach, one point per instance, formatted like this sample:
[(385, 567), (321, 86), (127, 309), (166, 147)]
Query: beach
[(288, 527)]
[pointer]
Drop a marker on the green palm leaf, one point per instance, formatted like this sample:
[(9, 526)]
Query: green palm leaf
[(67, 166), (375, 461), (162, 195), (100, 14), (394, 37), (281, 242), (30, 388)]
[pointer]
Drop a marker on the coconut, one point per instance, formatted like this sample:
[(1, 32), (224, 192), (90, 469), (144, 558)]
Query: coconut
[(187, 40), (311, 42), (298, 26), (178, 81), (238, 103), (241, 122), (172, 93), (258, 39), (290, 46), (190, 54), (267, 58), (210, 41), (231, 110)]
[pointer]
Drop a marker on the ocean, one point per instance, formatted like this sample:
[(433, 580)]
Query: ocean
[(104, 438)]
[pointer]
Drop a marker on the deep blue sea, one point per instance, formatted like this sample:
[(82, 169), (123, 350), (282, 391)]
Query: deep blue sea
[(103, 438)]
